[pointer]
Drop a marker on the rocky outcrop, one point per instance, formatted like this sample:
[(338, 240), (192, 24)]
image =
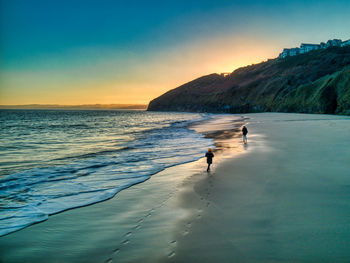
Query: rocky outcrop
[(315, 82)]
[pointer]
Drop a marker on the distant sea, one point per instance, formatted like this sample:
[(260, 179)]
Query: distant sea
[(54, 160)]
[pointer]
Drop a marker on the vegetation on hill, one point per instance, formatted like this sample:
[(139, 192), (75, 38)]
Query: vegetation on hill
[(315, 82)]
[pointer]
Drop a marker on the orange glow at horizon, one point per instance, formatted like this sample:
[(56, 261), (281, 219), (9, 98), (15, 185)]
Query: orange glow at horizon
[(146, 80)]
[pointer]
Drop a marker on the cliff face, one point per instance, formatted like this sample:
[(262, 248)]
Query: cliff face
[(315, 82)]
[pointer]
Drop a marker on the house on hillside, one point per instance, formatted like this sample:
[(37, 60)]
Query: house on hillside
[(225, 74), (289, 52), (294, 51), (304, 48), (334, 43), (346, 43), (285, 53)]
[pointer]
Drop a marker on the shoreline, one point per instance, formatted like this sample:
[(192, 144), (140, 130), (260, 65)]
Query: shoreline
[(50, 236), (46, 216), (283, 201), (281, 198)]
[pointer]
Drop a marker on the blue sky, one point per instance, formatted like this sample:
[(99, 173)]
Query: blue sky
[(76, 52)]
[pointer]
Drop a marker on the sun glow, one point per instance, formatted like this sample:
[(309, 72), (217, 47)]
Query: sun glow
[(143, 77)]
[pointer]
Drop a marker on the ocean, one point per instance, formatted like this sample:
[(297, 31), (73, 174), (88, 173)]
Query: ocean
[(55, 160)]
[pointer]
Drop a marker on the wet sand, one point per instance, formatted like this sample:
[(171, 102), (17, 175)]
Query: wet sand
[(286, 200), (138, 224), (283, 197)]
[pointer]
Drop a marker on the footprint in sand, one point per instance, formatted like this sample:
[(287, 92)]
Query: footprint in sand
[(116, 251), (125, 242), (171, 254), (148, 215), (128, 234), (109, 260)]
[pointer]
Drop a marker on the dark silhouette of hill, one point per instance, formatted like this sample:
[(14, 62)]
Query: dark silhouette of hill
[(315, 82)]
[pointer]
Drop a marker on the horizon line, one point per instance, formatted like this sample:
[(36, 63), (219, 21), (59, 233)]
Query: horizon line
[(75, 106)]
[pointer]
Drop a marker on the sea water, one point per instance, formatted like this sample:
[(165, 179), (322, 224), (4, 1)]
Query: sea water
[(55, 160)]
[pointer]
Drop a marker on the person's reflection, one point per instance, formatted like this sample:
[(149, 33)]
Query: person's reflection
[(245, 146)]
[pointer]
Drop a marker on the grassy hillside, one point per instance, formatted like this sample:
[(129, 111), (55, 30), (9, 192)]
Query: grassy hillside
[(329, 94), (316, 82)]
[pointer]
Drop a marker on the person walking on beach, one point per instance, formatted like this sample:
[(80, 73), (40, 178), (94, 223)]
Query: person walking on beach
[(245, 131), (209, 156)]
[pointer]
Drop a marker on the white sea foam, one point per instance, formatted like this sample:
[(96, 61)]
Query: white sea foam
[(106, 164)]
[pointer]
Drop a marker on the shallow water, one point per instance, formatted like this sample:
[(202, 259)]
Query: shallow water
[(285, 199), (52, 161)]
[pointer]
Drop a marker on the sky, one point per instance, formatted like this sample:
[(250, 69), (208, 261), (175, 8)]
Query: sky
[(129, 52)]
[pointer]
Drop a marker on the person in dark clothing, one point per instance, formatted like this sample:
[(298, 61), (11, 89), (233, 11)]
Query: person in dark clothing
[(209, 156), (245, 131)]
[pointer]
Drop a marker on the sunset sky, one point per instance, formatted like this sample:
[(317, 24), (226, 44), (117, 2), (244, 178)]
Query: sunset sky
[(86, 52)]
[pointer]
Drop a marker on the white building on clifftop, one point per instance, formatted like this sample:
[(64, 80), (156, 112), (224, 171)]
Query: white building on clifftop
[(304, 48), (346, 43), (334, 43)]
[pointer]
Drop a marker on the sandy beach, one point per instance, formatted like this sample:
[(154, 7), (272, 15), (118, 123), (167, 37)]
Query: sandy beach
[(285, 200), (283, 197)]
